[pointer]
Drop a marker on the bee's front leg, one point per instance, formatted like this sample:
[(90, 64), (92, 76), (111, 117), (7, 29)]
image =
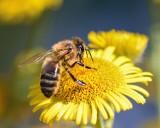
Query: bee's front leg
[(81, 64)]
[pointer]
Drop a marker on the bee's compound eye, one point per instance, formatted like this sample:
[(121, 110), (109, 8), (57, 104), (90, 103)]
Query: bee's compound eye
[(80, 46)]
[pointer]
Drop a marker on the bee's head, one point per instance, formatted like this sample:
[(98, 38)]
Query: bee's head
[(79, 43), (81, 46)]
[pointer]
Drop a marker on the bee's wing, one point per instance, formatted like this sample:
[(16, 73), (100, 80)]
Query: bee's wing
[(36, 58)]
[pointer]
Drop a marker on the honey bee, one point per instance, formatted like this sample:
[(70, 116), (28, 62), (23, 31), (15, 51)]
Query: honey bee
[(66, 53)]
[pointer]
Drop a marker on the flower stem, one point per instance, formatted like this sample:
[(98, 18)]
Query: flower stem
[(155, 47), (109, 123), (82, 126), (99, 123)]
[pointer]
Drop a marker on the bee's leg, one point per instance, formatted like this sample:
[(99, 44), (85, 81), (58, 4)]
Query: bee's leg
[(72, 76), (81, 64)]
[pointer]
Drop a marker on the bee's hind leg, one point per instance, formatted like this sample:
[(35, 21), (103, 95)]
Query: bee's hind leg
[(72, 76)]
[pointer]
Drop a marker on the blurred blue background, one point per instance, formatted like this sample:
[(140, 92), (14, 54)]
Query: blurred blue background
[(77, 18)]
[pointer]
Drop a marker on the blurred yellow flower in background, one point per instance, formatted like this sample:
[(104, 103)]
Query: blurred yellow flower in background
[(17, 11), (129, 44), (156, 1), (107, 89)]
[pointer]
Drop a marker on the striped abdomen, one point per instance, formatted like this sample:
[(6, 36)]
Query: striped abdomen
[(50, 80)]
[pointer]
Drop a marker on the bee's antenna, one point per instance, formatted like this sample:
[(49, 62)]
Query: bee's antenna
[(88, 51)]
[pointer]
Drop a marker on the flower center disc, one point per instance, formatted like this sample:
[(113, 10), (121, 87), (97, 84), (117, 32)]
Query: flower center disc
[(98, 82)]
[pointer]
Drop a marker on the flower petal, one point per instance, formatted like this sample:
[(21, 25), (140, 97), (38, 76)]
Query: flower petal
[(101, 109), (94, 113), (79, 113)]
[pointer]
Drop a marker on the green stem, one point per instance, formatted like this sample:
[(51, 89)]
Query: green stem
[(82, 126), (109, 123), (155, 45), (99, 123)]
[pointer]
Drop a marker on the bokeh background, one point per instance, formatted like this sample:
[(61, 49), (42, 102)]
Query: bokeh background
[(75, 18)]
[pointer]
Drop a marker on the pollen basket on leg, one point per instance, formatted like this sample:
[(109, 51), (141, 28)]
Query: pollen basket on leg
[(99, 82)]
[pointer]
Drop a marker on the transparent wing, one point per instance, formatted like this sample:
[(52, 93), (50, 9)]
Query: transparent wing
[(36, 58)]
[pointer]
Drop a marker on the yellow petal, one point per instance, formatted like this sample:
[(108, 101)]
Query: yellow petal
[(93, 113), (114, 102), (62, 111), (101, 109), (41, 104), (120, 101), (69, 112), (85, 113), (52, 112), (108, 108), (79, 113), (139, 89), (121, 60), (134, 95), (72, 115)]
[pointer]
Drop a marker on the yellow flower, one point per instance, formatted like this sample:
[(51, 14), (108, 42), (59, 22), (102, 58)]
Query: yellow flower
[(114, 80), (17, 11), (129, 44)]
